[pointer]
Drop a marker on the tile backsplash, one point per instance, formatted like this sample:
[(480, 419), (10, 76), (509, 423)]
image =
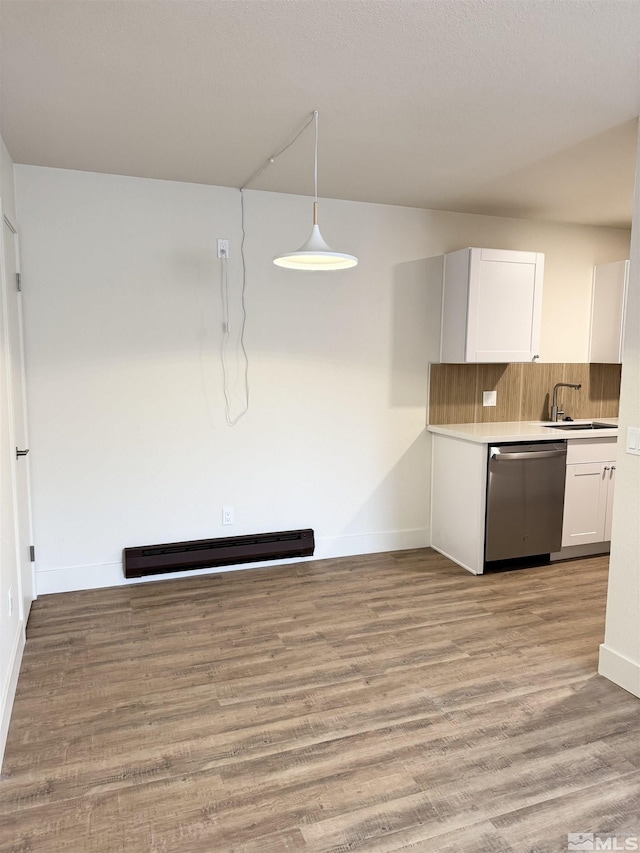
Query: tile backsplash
[(523, 391)]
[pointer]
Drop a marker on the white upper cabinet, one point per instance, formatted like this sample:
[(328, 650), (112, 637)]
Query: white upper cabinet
[(491, 306), (608, 302)]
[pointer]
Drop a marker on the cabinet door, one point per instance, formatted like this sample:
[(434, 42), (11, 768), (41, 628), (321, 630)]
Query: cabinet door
[(585, 503), (611, 478), (608, 303), (505, 298)]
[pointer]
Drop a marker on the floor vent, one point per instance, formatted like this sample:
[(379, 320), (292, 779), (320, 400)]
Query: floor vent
[(208, 553)]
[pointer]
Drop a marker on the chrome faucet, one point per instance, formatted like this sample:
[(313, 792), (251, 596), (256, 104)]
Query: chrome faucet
[(554, 407)]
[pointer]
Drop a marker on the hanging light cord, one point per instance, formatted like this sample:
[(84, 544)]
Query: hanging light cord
[(244, 317), (225, 277), (274, 157), (224, 287), (315, 160), (224, 284)]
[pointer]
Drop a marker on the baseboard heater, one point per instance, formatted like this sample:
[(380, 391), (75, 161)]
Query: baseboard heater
[(209, 553)]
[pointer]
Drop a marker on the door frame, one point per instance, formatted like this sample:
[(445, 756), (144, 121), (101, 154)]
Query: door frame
[(5, 218)]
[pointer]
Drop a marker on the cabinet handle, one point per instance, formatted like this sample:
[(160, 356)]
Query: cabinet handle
[(606, 468), (20, 453), (613, 467)]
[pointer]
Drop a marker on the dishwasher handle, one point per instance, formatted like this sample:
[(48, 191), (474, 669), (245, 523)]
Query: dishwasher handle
[(529, 454)]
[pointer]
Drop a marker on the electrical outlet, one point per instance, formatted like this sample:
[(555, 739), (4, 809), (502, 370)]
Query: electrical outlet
[(10, 601), (223, 248), (227, 515), (489, 398)]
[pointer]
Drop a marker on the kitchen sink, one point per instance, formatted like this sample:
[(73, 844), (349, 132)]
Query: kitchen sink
[(572, 426)]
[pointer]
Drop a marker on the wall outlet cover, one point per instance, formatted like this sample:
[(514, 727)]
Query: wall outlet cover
[(489, 398), (633, 440)]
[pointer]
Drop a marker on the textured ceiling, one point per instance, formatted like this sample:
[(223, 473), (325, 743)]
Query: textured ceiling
[(523, 108)]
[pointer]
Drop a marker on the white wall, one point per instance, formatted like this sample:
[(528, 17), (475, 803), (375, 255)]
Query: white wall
[(123, 328), (620, 652)]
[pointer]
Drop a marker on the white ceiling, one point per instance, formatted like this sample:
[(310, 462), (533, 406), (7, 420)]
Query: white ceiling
[(522, 108)]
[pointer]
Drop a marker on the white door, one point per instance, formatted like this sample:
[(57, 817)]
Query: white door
[(17, 408), (11, 620)]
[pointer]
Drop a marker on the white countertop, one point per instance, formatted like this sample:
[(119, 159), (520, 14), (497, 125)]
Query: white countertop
[(523, 431)]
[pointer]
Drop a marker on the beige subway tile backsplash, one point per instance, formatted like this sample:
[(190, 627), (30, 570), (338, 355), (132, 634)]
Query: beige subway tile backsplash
[(523, 391)]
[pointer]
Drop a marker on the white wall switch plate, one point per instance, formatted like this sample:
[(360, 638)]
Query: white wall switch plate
[(633, 440), (489, 398)]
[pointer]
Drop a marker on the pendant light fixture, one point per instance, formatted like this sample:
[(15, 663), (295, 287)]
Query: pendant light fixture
[(315, 254)]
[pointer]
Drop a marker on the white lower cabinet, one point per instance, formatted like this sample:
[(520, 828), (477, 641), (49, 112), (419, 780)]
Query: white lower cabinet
[(588, 499)]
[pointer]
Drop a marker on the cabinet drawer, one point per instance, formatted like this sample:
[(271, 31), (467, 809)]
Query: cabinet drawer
[(591, 450)]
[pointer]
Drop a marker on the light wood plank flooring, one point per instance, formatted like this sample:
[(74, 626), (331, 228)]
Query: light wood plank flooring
[(378, 703)]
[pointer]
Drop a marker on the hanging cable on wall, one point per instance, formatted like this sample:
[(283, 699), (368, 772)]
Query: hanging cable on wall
[(226, 326)]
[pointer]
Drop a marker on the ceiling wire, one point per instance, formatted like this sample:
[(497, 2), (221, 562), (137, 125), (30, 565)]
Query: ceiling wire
[(274, 157)]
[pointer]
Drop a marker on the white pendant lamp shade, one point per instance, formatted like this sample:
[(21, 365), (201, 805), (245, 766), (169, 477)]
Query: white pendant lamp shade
[(315, 254)]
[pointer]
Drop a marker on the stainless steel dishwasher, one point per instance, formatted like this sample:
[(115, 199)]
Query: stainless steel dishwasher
[(525, 499)]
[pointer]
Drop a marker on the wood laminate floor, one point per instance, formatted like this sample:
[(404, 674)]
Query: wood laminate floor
[(378, 703)]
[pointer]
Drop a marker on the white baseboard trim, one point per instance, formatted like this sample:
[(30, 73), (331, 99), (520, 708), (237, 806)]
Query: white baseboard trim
[(10, 690), (455, 560), (620, 669), (99, 576), (96, 576), (370, 543)]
